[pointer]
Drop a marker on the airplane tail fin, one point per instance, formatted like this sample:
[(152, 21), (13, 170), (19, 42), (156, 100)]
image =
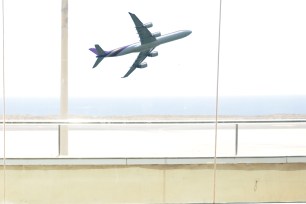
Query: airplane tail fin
[(98, 50), (100, 54)]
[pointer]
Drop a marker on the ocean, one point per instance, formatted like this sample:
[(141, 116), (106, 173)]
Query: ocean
[(238, 106)]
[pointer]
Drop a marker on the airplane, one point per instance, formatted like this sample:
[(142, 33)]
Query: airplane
[(148, 42)]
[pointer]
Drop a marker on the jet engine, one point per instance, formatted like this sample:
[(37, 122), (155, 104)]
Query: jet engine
[(153, 54), (142, 65), (156, 34), (148, 25)]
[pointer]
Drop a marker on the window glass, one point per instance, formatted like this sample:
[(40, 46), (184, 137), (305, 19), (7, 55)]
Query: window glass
[(261, 75), (32, 76), (178, 85), (150, 137), (262, 69)]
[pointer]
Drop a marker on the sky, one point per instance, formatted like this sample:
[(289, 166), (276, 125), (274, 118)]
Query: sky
[(262, 48)]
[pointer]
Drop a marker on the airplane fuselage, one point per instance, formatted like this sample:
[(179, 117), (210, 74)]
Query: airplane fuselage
[(138, 47), (148, 42)]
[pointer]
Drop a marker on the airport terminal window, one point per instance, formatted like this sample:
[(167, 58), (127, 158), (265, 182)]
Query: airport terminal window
[(174, 87), (178, 85), (60, 108), (32, 75), (261, 76)]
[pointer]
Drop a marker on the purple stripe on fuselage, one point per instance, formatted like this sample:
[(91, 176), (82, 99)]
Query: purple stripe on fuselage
[(115, 52), (106, 53)]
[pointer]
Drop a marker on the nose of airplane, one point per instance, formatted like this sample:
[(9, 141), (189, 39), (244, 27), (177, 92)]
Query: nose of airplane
[(188, 32)]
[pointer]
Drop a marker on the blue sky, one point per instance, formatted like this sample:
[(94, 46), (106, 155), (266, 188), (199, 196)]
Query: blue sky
[(263, 48)]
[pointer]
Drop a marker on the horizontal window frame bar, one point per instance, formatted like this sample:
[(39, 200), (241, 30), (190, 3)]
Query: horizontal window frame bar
[(69, 122), (153, 161)]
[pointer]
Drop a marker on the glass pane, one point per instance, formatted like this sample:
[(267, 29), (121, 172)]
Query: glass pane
[(149, 137), (177, 86), (262, 100), (32, 76), (262, 69)]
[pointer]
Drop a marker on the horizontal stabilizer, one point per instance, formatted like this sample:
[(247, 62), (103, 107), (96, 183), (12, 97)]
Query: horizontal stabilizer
[(99, 59), (100, 54)]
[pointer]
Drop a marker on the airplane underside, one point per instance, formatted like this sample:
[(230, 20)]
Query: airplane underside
[(148, 42)]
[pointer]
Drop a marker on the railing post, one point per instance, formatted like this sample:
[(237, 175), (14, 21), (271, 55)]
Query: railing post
[(236, 139), (62, 140)]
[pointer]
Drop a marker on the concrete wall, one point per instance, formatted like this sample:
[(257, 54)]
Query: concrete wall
[(154, 183)]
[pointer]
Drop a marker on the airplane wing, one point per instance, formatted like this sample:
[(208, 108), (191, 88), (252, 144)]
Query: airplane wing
[(141, 56), (144, 34)]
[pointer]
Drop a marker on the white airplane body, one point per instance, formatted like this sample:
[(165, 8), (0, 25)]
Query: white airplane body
[(145, 47)]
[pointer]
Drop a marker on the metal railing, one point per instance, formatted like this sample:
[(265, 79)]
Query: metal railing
[(63, 148), (97, 122)]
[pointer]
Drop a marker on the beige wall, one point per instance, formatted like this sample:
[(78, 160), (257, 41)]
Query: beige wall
[(154, 183)]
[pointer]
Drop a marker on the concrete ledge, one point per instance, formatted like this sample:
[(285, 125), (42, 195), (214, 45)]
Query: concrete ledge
[(153, 161), (138, 180)]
